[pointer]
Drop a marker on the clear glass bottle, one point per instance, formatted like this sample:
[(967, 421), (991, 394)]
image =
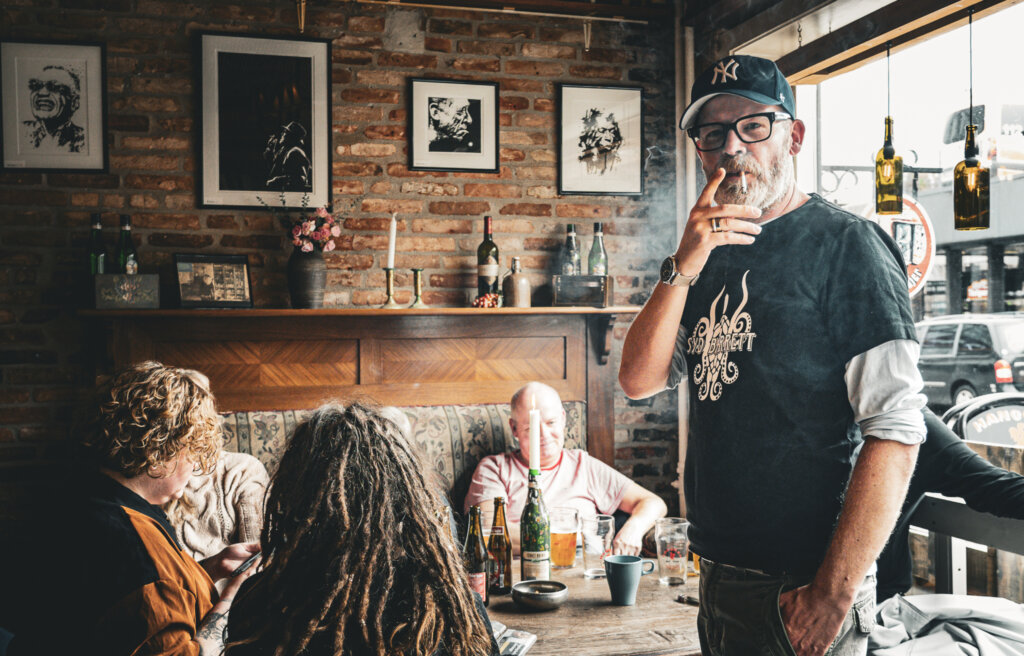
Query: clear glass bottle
[(888, 176), (535, 534), (475, 555), (97, 249), (127, 258), (970, 188), (597, 262), (570, 256), (487, 273)]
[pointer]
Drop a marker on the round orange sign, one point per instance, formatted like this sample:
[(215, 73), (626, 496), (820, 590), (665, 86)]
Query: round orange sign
[(913, 234)]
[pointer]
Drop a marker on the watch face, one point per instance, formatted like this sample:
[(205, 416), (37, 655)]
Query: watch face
[(668, 267)]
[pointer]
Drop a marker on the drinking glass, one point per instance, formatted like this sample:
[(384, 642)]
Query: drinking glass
[(673, 545), (598, 532), (565, 524)]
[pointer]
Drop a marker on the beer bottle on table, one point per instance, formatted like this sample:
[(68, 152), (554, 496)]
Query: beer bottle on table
[(97, 250), (127, 258), (474, 555), (598, 260), (487, 272), (535, 534), (501, 551), (570, 256)]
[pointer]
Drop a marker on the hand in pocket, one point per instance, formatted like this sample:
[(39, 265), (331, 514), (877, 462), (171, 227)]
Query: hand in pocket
[(811, 620)]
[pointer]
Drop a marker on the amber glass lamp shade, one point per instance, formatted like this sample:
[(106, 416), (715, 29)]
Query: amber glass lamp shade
[(970, 188), (888, 176)]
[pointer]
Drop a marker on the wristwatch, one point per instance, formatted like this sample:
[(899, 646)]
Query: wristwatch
[(670, 276)]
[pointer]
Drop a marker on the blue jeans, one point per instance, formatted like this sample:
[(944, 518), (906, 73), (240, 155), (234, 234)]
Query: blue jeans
[(739, 614)]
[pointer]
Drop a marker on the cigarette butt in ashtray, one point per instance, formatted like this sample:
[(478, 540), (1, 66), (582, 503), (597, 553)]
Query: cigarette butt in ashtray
[(690, 600), (743, 181)]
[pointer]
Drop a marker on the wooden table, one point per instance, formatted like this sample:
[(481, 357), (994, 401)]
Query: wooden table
[(588, 624)]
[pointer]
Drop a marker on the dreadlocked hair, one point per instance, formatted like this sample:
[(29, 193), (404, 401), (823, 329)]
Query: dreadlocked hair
[(356, 556)]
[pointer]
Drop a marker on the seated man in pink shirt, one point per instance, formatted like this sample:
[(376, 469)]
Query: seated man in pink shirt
[(569, 477)]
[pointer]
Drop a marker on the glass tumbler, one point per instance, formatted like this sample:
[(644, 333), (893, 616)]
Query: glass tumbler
[(673, 546), (565, 525), (598, 532)]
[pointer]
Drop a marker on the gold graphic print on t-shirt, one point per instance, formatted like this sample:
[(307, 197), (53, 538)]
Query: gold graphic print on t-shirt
[(714, 339)]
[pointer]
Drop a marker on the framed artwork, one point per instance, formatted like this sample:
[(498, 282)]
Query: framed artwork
[(53, 99), (453, 125), (264, 121), (213, 281), (600, 140)]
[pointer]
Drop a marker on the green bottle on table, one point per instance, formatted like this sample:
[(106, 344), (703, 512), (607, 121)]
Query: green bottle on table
[(127, 259), (535, 534)]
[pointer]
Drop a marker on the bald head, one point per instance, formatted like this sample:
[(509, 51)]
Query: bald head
[(552, 421)]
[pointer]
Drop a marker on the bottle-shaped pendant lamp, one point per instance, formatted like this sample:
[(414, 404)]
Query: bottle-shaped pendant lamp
[(888, 165), (970, 178)]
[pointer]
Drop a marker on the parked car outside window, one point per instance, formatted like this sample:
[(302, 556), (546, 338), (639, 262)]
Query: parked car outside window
[(966, 355)]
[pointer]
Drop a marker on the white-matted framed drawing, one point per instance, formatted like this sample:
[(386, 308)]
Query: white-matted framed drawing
[(453, 125), (600, 140), (264, 115), (53, 106)]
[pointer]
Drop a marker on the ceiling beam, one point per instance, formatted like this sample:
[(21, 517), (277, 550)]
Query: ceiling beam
[(643, 11), (775, 17)]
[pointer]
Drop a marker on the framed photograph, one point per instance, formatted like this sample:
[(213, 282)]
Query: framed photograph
[(213, 281), (264, 120), (53, 99), (600, 140), (453, 126)]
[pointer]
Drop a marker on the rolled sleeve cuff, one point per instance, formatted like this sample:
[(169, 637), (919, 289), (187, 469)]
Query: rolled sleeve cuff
[(884, 387), (677, 369)]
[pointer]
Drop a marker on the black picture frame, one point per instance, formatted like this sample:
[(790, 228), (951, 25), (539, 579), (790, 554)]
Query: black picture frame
[(264, 113), (53, 106), (213, 281), (600, 140), (453, 125)]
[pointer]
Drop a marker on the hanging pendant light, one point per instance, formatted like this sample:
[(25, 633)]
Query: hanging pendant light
[(970, 178), (888, 165)]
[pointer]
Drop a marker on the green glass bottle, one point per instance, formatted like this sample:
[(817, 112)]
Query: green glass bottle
[(970, 188), (487, 262), (97, 249), (570, 257), (475, 556), (888, 176), (535, 535), (501, 551), (127, 258), (597, 261)]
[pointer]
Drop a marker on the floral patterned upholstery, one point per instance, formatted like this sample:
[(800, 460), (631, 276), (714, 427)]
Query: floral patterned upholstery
[(453, 438)]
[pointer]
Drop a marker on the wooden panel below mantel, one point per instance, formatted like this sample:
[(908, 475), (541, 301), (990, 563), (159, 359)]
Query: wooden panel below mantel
[(295, 359)]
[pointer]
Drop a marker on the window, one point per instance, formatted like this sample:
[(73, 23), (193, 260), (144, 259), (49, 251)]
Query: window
[(957, 124), (974, 338), (939, 340)]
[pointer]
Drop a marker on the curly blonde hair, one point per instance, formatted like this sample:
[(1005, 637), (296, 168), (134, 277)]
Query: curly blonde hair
[(151, 413)]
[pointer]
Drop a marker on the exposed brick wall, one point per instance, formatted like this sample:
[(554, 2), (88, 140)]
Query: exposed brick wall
[(151, 106)]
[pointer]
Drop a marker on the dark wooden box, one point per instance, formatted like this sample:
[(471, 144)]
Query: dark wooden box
[(118, 291), (595, 291)]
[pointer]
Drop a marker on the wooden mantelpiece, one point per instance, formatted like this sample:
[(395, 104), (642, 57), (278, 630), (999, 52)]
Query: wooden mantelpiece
[(266, 359)]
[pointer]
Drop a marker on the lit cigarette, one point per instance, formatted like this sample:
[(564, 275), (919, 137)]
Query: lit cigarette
[(743, 181)]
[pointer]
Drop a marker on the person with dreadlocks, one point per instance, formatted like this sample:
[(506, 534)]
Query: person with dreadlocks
[(356, 557)]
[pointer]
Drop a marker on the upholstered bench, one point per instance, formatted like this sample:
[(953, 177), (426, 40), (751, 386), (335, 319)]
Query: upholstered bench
[(452, 438)]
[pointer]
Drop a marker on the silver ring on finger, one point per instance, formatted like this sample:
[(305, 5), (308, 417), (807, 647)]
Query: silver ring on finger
[(716, 224)]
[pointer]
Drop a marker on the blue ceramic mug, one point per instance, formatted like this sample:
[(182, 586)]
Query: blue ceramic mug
[(623, 573)]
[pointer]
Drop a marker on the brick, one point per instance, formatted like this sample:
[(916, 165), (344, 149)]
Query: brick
[(406, 60), (9, 397), (562, 35), (381, 78), (113, 201), (359, 42), (379, 224), (345, 279), (544, 105), (392, 205), (492, 190), (180, 240), (20, 178), (526, 209), (357, 113), (542, 244), (504, 173), (161, 86), (523, 86), (75, 21), (365, 24), (348, 261), (241, 13), (458, 280), (410, 260), (512, 155), (155, 143), (165, 183), (385, 132), (32, 197), (177, 124), (253, 242), (85, 200), (6, 316), (429, 244), (531, 120), (570, 211), (436, 44), (377, 297), (453, 27), (445, 298), (222, 222), (513, 103), (513, 226), (505, 31), (609, 55), (459, 208), (449, 226), (349, 187), (341, 76), (261, 223), (371, 96), (548, 156), (150, 105), (537, 173), (83, 180), (504, 120), (429, 188), (542, 191), (26, 414), (144, 162), (534, 68), (361, 169), (544, 51), (143, 201), (495, 48), (373, 150), (380, 188), (483, 65), (602, 72)]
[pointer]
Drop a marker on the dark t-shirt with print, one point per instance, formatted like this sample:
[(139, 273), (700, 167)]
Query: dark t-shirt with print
[(770, 328)]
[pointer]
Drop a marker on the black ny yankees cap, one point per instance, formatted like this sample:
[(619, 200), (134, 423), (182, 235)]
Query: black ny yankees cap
[(750, 77)]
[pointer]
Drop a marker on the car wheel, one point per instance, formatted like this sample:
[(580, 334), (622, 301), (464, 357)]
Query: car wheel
[(963, 394)]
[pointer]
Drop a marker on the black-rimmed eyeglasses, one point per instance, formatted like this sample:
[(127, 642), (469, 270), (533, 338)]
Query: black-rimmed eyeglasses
[(750, 129)]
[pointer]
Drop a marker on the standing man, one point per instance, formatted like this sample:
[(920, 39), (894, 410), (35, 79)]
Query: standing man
[(791, 321)]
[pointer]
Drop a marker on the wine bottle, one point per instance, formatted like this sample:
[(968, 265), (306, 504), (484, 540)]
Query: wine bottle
[(888, 176), (127, 258), (535, 533), (597, 262), (570, 265), (97, 249), (487, 262), (970, 189), (474, 555), (501, 551)]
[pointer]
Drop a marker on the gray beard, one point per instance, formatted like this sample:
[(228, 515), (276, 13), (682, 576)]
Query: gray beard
[(765, 189)]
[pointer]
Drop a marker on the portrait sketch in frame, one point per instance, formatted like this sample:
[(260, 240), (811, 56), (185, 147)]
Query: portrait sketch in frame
[(600, 140), (264, 117), (453, 125), (53, 106), (213, 281)]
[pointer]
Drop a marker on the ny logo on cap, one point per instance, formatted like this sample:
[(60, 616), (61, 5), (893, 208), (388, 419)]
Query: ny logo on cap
[(727, 69)]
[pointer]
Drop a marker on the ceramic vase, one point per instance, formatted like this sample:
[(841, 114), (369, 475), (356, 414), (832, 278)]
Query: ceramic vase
[(307, 278)]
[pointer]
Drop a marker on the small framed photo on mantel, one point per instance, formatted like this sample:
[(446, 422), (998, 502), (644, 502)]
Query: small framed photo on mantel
[(453, 125), (213, 281), (600, 140), (53, 107)]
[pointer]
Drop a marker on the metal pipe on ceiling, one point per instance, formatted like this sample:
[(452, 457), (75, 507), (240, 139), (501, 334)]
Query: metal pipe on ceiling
[(505, 10)]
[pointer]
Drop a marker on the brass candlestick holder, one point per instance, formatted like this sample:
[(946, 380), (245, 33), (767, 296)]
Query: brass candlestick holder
[(389, 277), (417, 285)]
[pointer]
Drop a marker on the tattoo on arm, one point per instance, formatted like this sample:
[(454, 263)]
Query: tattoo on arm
[(211, 634)]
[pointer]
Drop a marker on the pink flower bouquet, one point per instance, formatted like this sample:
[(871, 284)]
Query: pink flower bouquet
[(315, 232)]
